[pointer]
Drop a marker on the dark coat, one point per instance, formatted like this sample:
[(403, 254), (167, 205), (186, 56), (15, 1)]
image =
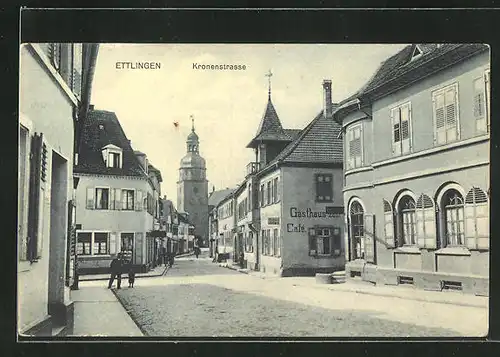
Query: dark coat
[(116, 266)]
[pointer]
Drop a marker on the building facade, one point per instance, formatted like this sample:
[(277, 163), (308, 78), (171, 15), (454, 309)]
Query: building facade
[(55, 85), (287, 217), (192, 187), (115, 198), (417, 170), (213, 219)]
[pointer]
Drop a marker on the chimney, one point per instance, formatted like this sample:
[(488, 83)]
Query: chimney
[(327, 98)]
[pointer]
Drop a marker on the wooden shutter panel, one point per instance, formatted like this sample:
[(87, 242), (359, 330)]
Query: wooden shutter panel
[(451, 113), (138, 249), (34, 197), (113, 243), (482, 226), (138, 200), (112, 199), (349, 154), (388, 224), (396, 131), (369, 238), (118, 199), (90, 198), (476, 219), (430, 227), (439, 118), (405, 128)]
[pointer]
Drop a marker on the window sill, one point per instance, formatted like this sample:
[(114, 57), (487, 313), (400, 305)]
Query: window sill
[(407, 249), (324, 256), (94, 256), (453, 251)]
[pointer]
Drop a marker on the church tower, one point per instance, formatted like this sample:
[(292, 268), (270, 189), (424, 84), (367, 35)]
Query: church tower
[(192, 187)]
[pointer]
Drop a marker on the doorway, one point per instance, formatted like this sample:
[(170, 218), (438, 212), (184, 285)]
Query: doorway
[(127, 246)]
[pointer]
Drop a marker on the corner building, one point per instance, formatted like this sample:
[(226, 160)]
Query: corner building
[(416, 141)]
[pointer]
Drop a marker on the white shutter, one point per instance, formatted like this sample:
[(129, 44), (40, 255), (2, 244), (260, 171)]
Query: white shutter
[(361, 149), (419, 213), (430, 227), (349, 158), (369, 238), (451, 114), (388, 224), (113, 243), (90, 198), (405, 128), (118, 200), (439, 118), (396, 131), (138, 200), (112, 198), (482, 226), (488, 102)]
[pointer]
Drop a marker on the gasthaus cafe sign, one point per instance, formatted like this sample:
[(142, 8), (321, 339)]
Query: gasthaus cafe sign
[(329, 212)]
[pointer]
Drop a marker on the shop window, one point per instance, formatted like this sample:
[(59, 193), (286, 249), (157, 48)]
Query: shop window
[(83, 246), (100, 245)]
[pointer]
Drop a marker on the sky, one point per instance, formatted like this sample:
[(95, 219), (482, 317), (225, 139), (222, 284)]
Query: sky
[(227, 105)]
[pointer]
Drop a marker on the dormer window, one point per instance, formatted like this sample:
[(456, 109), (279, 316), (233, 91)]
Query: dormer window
[(417, 52), (113, 156)]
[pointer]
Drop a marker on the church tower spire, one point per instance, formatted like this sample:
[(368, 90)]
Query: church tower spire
[(193, 140)]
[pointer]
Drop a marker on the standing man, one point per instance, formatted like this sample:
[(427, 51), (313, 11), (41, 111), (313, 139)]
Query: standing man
[(116, 272)]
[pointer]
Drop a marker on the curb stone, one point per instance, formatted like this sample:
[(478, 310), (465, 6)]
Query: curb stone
[(357, 291), (143, 331)]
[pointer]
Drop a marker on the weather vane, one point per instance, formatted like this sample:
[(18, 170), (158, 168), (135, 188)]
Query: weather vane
[(269, 75)]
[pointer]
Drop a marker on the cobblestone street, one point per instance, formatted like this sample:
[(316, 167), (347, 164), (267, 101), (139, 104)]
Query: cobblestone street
[(199, 298)]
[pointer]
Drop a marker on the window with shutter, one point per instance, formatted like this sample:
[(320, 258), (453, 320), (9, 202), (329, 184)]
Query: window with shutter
[(83, 246), (388, 224), (90, 202), (401, 129), (407, 220), (100, 245), (113, 242), (324, 187), (453, 203), (127, 200), (356, 218), (355, 147), (101, 198), (476, 219), (445, 102)]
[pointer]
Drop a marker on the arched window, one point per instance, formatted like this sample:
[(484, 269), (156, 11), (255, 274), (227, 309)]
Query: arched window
[(356, 214), (408, 221), (453, 204), (476, 219)]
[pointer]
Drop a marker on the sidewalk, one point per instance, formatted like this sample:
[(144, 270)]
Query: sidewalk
[(99, 313), (158, 271), (409, 293)]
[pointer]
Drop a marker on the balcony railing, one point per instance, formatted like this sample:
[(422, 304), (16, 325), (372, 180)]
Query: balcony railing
[(253, 167)]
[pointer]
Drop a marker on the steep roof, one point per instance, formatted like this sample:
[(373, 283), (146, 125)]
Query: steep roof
[(319, 142), (217, 196), (157, 172), (400, 69), (270, 128), (101, 128)]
